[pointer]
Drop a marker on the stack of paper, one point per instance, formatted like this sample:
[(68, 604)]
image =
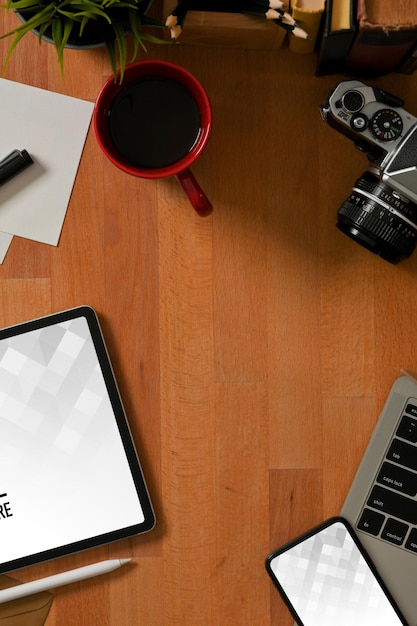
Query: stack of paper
[(52, 127)]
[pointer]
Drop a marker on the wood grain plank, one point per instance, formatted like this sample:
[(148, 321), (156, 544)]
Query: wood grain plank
[(295, 431), (18, 296), (296, 505), (348, 310), (143, 599), (242, 501), (131, 280), (188, 430)]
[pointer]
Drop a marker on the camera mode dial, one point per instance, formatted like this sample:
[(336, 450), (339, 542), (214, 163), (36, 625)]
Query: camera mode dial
[(386, 125)]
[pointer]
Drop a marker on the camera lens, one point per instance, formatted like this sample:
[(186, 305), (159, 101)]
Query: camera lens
[(378, 219)]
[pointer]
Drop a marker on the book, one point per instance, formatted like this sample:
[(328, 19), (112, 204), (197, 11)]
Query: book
[(408, 64), (387, 31), (337, 33), (308, 14)]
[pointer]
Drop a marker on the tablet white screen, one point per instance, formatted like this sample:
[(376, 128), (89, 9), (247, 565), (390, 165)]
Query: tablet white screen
[(64, 474)]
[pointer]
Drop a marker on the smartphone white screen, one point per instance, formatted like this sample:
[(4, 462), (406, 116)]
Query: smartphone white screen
[(327, 581)]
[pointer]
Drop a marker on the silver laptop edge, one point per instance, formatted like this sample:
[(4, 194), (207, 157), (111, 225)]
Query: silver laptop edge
[(397, 566)]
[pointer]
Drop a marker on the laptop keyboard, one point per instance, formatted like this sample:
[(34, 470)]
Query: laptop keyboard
[(391, 508)]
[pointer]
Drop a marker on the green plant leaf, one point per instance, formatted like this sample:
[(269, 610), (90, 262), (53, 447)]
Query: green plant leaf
[(83, 24), (151, 21), (74, 9), (20, 5), (12, 46), (120, 33), (60, 16), (22, 30), (42, 30), (135, 29), (61, 31), (153, 39), (111, 52), (57, 35), (33, 22), (93, 13)]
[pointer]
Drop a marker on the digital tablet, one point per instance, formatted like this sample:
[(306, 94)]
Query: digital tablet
[(70, 478)]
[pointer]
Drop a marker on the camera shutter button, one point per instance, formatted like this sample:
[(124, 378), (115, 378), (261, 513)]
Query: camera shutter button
[(359, 122)]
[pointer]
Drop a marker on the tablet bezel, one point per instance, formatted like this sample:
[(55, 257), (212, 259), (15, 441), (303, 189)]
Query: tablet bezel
[(148, 522)]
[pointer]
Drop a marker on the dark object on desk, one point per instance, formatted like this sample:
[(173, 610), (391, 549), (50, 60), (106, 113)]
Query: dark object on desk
[(13, 164), (154, 122), (227, 6), (336, 36), (381, 211), (387, 31), (308, 15), (266, 9), (222, 23), (176, 19), (408, 64)]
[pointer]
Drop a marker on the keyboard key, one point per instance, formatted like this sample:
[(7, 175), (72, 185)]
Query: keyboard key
[(371, 522), (411, 543), (393, 504), (398, 478), (408, 429), (411, 409), (403, 454), (394, 532)]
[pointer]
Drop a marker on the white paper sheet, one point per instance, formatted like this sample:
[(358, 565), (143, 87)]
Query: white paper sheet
[(52, 127), (5, 241)]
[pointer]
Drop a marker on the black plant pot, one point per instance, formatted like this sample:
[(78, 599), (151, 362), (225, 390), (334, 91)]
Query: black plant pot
[(95, 33)]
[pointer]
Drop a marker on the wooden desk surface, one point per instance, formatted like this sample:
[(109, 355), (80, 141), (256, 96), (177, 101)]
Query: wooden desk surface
[(254, 348)]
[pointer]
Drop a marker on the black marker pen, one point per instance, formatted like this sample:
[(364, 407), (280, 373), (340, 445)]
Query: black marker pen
[(14, 163)]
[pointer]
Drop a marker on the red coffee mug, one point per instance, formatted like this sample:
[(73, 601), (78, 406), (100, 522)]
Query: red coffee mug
[(155, 69)]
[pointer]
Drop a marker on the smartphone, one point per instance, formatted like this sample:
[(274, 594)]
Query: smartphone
[(325, 577)]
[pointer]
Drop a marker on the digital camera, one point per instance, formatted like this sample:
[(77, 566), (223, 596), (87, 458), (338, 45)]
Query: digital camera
[(381, 211)]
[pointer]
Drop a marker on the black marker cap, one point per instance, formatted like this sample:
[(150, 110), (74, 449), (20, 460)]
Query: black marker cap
[(14, 163)]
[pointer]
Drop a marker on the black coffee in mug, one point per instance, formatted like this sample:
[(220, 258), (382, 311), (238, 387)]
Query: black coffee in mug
[(154, 122)]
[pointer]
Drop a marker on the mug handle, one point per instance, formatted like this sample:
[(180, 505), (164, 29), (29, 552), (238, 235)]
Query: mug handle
[(195, 194)]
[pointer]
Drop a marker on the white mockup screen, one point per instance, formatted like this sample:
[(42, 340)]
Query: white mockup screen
[(65, 476), (327, 581)]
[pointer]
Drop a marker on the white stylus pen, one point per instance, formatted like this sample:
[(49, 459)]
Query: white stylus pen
[(50, 582)]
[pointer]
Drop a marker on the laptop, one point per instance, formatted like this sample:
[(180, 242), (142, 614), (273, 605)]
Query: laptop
[(70, 477), (382, 505)]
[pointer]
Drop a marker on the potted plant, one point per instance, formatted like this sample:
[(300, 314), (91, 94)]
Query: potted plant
[(85, 23)]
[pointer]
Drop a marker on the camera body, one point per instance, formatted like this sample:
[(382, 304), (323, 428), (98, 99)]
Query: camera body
[(381, 213)]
